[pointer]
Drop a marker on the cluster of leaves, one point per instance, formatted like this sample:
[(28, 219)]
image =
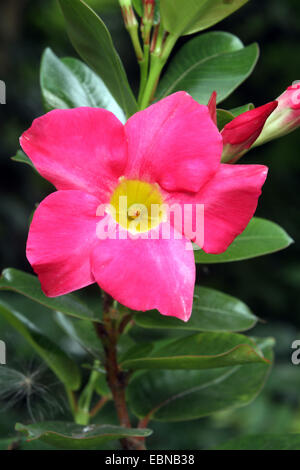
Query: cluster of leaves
[(190, 370)]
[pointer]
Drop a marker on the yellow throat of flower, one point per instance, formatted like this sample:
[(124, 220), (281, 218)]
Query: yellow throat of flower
[(137, 206)]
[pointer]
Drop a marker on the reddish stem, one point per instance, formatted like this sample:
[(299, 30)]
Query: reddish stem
[(116, 378)]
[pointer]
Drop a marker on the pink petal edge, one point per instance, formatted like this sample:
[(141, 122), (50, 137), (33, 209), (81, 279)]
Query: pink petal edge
[(61, 237), (174, 143), (82, 148)]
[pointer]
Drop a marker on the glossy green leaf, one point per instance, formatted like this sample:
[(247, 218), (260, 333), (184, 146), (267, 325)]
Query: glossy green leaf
[(261, 237), (242, 109), (264, 442), (215, 61), (82, 331), (22, 158), (185, 395), (74, 437), (223, 117), (181, 17), (69, 83), (199, 351), (138, 350), (64, 368), (93, 42), (212, 311), (106, 5), (28, 285)]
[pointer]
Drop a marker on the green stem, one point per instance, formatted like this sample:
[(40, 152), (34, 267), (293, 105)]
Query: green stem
[(144, 68), (72, 401), (132, 27), (158, 61), (157, 45), (134, 35), (84, 403)]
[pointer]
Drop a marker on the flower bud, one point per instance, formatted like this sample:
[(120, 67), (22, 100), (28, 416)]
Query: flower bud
[(240, 134), (212, 107), (149, 7), (128, 13), (286, 118)]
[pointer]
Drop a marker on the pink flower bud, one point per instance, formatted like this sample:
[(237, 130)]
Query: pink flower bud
[(241, 133), (212, 107), (286, 118)]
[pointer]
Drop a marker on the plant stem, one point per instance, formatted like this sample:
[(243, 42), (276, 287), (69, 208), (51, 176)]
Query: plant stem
[(149, 90), (84, 402), (157, 40), (146, 30), (132, 27), (159, 58), (98, 406), (144, 68), (133, 32), (72, 401), (108, 332)]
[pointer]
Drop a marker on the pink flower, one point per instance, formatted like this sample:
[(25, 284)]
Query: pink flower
[(169, 153), (286, 118), (240, 134)]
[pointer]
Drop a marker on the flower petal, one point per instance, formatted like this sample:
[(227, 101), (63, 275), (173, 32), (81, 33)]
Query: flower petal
[(81, 148), (146, 274), (61, 236), (229, 201), (175, 143)]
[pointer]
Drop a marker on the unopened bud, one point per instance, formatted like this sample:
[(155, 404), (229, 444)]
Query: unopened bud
[(241, 133), (128, 13), (149, 7), (285, 118)]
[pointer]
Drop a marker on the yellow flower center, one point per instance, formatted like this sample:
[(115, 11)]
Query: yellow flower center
[(137, 206)]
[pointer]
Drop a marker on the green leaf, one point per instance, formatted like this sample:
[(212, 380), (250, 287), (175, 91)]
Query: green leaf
[(181, 17), (261, 237), (215, 61), (63, 367), (93, 42), (7, 443), (264, 442), (199, 351), (28, 285), (72, 436), (136, 351), (110, 5), (212, 311), (242, 109), (22, 158), (223, 117), (82, 331), (69, 83), (186, 395)]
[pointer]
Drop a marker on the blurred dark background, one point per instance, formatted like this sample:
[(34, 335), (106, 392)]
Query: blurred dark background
[(269, 285)]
